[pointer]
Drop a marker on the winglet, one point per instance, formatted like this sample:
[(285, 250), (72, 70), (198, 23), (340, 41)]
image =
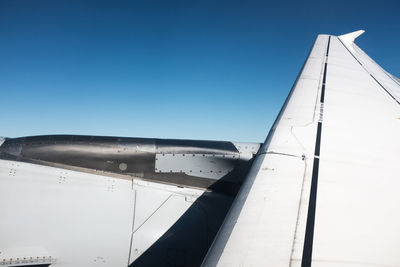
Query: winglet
[(350, 37)]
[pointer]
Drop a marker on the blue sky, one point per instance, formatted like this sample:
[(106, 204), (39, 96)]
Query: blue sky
[(217, 70)]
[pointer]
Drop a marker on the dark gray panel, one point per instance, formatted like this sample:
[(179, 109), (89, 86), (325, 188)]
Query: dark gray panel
[(132, 157)]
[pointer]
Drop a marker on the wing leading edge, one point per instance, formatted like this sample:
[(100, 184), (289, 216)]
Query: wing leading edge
[(323, 189)]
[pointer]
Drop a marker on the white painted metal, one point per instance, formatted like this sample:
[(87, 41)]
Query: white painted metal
[(247, 150), (260, 228), (158, 223), (157, 208), (18, 257), (356, 221), (371, 67), (349, 38), (78, 219), (147, 202)]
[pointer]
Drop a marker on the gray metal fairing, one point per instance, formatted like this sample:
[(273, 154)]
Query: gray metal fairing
[(217, 168), (217, 165)]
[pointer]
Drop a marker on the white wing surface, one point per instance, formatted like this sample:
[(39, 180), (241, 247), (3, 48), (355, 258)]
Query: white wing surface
[(324, 190), (81, 201)]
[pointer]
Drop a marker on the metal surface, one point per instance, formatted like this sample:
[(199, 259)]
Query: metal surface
[(213, 166), (80, 219), (261, 225), (48, 211), (186, 242), (120, 201), (151, 159), (323, 190)]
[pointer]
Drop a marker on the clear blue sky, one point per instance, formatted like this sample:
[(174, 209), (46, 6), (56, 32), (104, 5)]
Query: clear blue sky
[(169, 69)]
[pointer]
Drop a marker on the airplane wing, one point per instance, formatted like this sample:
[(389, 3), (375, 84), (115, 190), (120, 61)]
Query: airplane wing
[(321, 190), (71, 201), (324, 188)]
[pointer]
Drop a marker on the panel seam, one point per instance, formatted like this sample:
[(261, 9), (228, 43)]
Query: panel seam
[(309, 234), (393, 97)]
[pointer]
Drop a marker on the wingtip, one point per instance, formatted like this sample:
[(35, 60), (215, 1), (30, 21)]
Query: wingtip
[(350, 37)]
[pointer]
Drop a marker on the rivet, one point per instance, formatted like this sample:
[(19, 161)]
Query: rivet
[(123, 166)]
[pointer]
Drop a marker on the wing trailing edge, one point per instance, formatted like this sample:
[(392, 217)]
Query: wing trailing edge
[(323, 189)]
